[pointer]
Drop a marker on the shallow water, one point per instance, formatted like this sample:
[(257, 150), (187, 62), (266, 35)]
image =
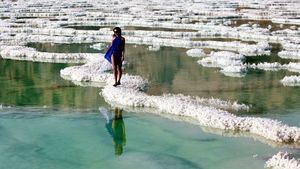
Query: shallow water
[(43, 138), (39, 84), (168, 70), (71, 133)]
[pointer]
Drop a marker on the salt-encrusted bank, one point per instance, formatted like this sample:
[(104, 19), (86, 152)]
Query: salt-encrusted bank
[(195, 25), (283, 160), (287, 80), (291, 81), (31, 54), (208, 112), (195, 53)]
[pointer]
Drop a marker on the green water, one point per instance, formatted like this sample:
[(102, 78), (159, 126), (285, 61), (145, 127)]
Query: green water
[(39, 84), (53, 139), (65, 130)]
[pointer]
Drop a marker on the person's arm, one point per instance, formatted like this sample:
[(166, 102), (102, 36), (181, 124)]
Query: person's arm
[(123, 49)]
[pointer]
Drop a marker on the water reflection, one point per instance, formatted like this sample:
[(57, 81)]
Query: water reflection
[(116, 128)]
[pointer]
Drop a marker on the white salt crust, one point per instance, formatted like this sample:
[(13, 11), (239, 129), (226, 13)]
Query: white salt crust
[(52, 17), (230, 63), (208, 115), (287, 80), (291, 80), (289, 54), (208, 112), (283, 160), (30, 54), (195, 53)]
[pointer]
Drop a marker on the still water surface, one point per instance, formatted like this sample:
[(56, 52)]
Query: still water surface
[(69, 132)]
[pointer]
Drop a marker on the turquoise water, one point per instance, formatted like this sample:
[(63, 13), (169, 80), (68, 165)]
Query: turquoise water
[(56, 124), (41, 138)]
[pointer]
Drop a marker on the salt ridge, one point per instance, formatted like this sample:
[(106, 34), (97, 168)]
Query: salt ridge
[(30, 54), (283, 160), (208, 112)]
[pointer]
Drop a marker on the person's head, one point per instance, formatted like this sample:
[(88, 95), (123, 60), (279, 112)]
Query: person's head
[(117, 31)]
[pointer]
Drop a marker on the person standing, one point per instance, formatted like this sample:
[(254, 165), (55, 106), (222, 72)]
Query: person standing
[(116, 55)]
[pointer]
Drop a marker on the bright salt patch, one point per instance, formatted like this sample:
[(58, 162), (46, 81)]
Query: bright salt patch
[(267, 66), (208, 112), (99, 46), (289, 54), (210, 115), (195, 53), (26, 53), (283, 160), (291, 81), (229, 62)]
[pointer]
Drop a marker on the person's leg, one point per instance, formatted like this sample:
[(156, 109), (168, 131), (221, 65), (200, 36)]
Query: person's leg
[(119, 67), (114, 67)]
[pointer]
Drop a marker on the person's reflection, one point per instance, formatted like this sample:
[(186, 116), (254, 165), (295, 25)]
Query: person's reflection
[(116, 128)]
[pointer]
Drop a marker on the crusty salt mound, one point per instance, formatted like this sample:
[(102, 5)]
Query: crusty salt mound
[(291, 80), (30, 54), (229, 62), (283, 160), (195, 53), (207, 112)]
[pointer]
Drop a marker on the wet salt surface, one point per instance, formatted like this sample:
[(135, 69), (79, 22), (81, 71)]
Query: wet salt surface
[(44, 138)]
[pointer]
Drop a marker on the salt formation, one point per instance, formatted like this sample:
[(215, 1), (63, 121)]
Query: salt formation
[(267, 66), (26, 53), (283, 160), (208, 112), (229, 62), (289, 54), (195, 53), (291, 81), (287, 80), (99, 46), (187, 24)]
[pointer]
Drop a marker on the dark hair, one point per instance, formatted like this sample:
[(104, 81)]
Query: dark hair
[(117, 30)]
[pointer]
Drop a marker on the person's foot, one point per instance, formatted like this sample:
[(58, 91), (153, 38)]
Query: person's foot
[(118, 83), (115, 85)]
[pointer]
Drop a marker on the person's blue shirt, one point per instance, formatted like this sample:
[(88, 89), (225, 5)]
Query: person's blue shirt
[(116, 49)]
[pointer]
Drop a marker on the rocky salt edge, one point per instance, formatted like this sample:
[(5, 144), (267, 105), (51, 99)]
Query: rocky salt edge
[(231, 64), (293, 80), (212, 112), (31, 54), (283, 160), (208, 112)]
